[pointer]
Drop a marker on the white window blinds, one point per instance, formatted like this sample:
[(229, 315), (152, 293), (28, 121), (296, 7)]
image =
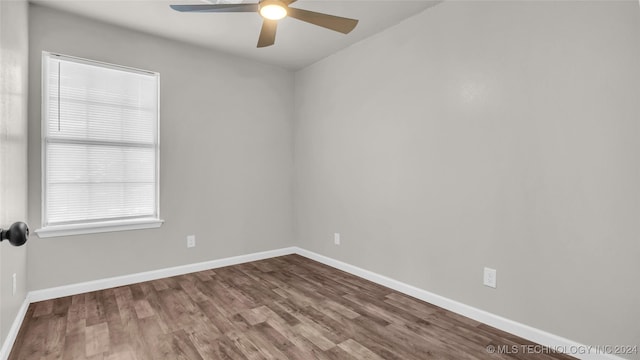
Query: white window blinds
[(100, 142)]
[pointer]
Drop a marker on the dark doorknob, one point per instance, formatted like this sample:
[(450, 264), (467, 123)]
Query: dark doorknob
[(17, 234)]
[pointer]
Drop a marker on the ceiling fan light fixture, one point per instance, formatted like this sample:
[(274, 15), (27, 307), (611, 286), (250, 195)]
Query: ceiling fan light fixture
[(273, 10)]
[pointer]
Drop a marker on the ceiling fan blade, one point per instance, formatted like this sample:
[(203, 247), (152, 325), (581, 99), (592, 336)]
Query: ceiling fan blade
[(289, 2), (268, 33), (336, 23), (216, 8)]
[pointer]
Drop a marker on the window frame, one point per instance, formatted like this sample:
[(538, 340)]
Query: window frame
[(88, 226)]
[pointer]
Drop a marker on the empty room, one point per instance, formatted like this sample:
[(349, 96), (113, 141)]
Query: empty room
[(320, 179)]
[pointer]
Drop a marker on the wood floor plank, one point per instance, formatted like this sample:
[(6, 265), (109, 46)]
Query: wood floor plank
[(314, 336), (286, 347), (74, 345), (55, 340), (245, 345), (286, 307), (358, 351), (182, 346), (96, 339), (129, 321), (95, 310), (42, 308)]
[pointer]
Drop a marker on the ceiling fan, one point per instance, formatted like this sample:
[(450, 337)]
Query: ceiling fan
[(272, 11)]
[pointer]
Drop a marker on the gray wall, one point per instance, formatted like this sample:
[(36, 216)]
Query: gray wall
[(500, 134), (13, 154), (226, 164)]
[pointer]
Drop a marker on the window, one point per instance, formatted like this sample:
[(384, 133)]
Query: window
[(100, 147)]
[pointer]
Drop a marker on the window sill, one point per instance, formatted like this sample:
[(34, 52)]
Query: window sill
[(98, 227)]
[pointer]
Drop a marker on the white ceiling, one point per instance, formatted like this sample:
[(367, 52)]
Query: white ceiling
[(298, 44)]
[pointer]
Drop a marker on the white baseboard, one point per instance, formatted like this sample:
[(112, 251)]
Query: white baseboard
[(524, 331), (79, 288), (13, 331), (513, 327)]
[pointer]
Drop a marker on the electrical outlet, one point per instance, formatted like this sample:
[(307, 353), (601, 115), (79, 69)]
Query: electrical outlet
[(191, 241), (15, 283), (490, 277), (336, 238)]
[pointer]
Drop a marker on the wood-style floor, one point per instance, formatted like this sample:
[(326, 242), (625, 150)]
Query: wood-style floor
[(288, 307)]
